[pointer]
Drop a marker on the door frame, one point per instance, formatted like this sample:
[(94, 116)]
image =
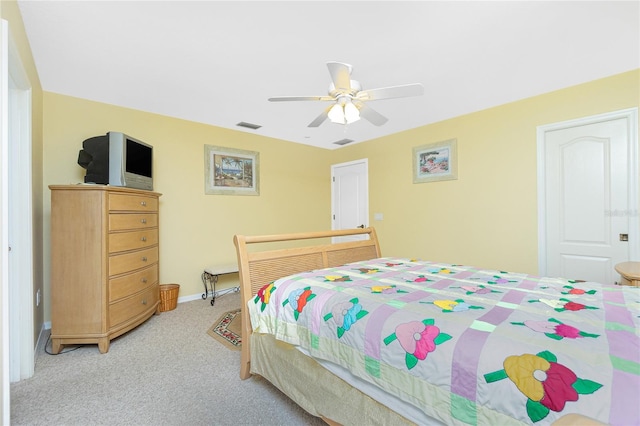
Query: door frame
[(631, 114), (16, 220), (21, 294), (4, 221), (364, 161)]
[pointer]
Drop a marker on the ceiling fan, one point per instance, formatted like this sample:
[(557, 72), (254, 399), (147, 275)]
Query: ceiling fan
[(349, 101)]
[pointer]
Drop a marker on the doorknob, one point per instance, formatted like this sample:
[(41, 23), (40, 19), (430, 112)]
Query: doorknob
[(361, 226), (624, 237)]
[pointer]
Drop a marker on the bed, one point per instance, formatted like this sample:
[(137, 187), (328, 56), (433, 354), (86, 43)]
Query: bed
[(357, 338)]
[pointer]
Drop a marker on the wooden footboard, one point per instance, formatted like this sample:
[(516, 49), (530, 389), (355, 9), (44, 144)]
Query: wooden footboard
[(258, 268)]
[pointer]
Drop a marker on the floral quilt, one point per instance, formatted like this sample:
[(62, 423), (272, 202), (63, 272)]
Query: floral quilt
[(465, 345)]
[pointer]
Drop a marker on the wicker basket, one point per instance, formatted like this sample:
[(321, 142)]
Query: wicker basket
[(168, 296)]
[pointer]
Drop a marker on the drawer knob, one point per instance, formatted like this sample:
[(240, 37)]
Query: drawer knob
[(143, 203), (143, 220), (144, 258), (144, 301), (143, 239), (144, 279)]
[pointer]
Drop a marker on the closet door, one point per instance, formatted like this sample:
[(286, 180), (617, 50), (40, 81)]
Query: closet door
[(589, 212)]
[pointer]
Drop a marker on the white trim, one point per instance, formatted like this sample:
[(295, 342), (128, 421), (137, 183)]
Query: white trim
[(634, 178), (542, 203), (4, 220), (21, 294), (631, 114), (197, 296), (43, 334)]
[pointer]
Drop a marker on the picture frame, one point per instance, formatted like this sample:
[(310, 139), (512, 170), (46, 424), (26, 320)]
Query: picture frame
[(231, 171), (435, 162)]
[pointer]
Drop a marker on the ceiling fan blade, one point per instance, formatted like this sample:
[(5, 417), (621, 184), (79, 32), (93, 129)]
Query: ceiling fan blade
[(301, 98), (370, 114), (321, 118), (340, 75), (403, 91)]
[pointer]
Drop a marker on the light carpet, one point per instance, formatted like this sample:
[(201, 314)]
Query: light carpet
[(167, 371)]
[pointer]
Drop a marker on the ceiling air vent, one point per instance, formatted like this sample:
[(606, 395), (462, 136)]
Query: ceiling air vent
[(248, 125), (343, 142)]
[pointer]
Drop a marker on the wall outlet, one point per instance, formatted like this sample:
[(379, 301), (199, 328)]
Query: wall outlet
[(38, 298)]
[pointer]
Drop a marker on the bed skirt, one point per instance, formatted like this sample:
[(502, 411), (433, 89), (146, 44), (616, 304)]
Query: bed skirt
[(311, 386)]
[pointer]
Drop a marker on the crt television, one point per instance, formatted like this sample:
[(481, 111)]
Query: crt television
[(117, 159)]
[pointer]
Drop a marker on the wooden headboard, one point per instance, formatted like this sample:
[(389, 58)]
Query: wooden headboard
[(262, 267)]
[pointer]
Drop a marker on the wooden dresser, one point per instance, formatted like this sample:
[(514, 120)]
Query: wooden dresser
[(104, 263)]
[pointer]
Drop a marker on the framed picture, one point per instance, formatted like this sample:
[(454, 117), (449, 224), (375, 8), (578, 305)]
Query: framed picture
[(231, 171), (435, 162)]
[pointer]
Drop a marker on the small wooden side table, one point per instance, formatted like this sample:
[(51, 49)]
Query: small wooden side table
[(629, 273)]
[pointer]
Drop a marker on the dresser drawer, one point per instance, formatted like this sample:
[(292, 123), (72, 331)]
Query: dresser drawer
[(124, 221), (129, 284), (121, 263), (123, 241), (132, 203), (133, 306)]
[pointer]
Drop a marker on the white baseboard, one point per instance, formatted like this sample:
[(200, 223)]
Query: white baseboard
[(43, 336), (181, 299), (190, 298)]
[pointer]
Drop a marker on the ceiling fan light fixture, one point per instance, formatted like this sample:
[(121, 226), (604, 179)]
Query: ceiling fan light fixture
[(343, 112), (336, 114), (351, 113)]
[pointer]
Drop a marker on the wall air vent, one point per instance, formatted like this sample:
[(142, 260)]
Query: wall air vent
[(248, 125), (343, 142)]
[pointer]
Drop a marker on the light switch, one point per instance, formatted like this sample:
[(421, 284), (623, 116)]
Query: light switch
[(378, 216)]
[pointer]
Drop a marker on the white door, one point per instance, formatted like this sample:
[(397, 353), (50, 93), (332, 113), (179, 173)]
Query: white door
[(350, 196), (4, 221), (590, 206)]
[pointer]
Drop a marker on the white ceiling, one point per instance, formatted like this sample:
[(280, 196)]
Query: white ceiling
[(217, 62)]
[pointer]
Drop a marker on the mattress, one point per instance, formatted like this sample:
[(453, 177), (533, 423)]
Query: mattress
[(458, 344)]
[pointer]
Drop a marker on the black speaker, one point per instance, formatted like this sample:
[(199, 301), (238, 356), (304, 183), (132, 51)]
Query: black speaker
[(94, 157)]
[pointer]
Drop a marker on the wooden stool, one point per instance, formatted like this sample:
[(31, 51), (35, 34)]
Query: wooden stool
[(629, 273)]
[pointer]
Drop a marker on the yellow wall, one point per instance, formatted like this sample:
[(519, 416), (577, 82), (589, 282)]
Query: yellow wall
[(196, 230), (488, 216)]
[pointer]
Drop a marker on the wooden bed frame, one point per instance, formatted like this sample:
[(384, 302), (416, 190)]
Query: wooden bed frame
[(260, 268)]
